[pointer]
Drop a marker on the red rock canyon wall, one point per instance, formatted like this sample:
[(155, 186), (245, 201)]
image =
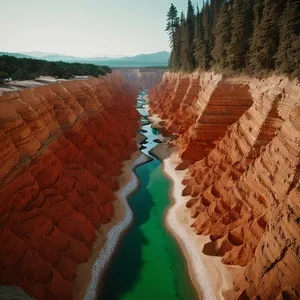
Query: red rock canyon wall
[(62, 146), (240, 138)]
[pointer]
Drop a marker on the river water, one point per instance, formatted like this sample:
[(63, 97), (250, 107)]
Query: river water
[(148, 263)]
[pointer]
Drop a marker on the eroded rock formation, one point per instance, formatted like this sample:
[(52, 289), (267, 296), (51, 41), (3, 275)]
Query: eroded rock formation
[(240, 140), (62, 146)]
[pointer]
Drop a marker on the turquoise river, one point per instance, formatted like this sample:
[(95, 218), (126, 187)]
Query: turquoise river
[(148, 263)]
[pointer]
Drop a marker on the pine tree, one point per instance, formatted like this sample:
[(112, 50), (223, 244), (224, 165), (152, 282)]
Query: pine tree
[(172, 23), (222, 37), (196, 35), (288, 55), (215, 6), (200, 50), (172, 60), (175, 53), (241, 31), (190, 23), (206, 36), (254, 41), (210, 39), (267, 38), (185, 59)]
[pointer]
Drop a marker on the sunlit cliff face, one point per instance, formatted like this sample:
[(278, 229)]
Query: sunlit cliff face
[(62, 146), (241, 140)]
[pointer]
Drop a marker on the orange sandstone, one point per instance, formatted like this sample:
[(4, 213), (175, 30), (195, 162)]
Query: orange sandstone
[(240, 140), (62, 145)]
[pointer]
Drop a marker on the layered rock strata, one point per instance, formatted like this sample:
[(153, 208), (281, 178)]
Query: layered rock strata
[(62, 147), (240, 139)]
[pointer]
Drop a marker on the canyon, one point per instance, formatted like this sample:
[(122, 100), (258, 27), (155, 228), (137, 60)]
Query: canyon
[(67, 146), (63, 146), (237, 140), (142, 78)]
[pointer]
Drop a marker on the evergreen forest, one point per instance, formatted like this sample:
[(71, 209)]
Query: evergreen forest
[(256, 37), (27, 68)]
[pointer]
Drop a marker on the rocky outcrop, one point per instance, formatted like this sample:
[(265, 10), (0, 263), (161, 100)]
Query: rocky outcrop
[(62, 146), (240, 140)]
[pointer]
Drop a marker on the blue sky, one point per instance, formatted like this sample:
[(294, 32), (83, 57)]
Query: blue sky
[(85, 27)]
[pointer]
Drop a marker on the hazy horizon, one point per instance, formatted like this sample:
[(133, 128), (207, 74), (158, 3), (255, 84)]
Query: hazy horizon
[(42, 54), (93, 28)]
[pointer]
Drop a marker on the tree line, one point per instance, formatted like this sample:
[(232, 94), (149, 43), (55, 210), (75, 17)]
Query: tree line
[(27, 68), (252, 36)]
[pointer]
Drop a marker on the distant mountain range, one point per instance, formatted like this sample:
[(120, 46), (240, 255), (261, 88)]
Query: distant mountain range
[(38, 53), (18, 55), (141, 60)]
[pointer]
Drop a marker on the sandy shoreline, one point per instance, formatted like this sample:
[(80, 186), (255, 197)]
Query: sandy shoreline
[(209, 275), (88, 281), (155, 120)]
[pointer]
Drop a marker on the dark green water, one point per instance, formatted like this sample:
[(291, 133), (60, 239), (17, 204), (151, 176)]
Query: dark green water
[(149, 263)]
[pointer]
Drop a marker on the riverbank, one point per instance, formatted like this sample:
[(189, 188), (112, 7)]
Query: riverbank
[(155, 120), (162, 151), (89, 274), (209, 275)]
